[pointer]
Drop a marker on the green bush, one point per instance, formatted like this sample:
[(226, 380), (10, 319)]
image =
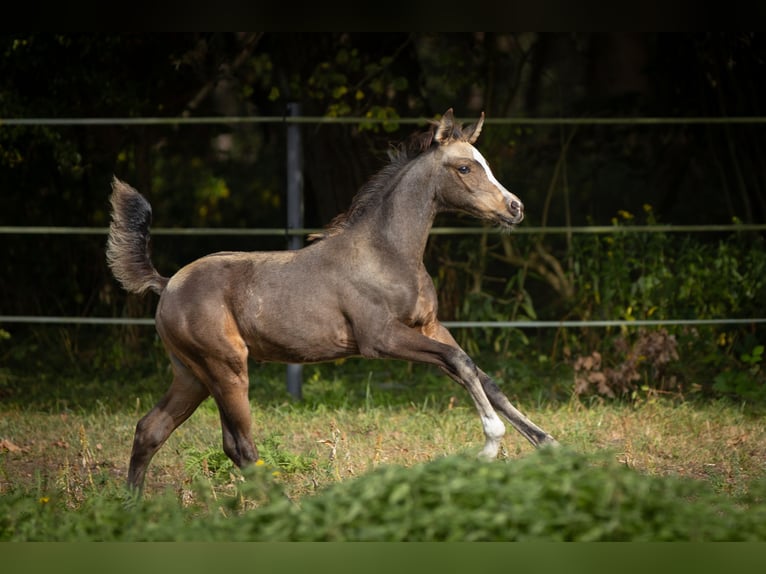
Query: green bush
[(664, 276), (551, 495)]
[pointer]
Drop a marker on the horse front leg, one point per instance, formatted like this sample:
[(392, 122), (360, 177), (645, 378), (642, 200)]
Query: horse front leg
[(402, 342), (529, 430), (493, 427)]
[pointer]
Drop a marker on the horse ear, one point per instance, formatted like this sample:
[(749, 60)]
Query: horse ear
[(474, 130), (445, 128)]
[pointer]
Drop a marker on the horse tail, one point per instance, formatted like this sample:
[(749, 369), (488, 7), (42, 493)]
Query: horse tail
[(127, 249)]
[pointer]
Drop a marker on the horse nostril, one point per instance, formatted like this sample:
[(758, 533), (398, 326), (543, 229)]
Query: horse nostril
[(516, 207)]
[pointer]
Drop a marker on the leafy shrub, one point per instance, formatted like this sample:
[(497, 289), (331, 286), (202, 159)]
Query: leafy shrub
[(659, 275), (550, 495), (665, 276)]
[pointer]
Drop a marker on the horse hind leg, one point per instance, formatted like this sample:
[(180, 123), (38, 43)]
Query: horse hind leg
[(185, 394)]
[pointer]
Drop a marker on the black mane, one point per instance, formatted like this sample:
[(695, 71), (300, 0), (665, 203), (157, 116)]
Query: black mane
[(370, 193)]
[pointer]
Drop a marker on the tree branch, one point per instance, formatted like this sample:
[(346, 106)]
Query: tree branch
[(251, 40)]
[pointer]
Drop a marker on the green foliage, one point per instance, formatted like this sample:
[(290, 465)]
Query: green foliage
[(627, 275), (211, 463), (661, 276), (513, 303), (550, 495), (746, 380), (274, 455), (351, 81), (633, 275)]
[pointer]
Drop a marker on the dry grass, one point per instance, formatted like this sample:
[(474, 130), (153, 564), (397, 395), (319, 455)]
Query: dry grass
[(714, 442), (317, 446)]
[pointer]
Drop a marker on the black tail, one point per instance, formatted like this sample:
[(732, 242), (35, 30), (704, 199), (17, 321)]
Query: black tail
[(127, 249)]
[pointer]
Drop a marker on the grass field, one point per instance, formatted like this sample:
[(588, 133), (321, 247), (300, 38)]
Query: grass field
[(350, 423)]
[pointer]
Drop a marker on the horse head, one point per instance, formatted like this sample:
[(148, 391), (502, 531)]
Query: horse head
[(466, 182)]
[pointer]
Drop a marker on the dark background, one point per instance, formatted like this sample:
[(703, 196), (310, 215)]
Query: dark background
[(233, 175)]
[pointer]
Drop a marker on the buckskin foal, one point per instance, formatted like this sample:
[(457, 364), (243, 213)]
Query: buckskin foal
[(359, 289)]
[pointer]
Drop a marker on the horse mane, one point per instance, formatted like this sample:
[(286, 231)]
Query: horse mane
[(369, 194)]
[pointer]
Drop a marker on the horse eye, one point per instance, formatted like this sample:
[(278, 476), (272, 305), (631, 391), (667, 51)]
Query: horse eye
[(464, 169)]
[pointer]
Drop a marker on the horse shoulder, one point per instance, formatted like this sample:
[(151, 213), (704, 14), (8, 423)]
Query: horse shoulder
[(427, 305)]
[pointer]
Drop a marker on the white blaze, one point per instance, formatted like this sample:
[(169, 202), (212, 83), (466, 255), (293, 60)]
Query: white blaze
[(491, 177)]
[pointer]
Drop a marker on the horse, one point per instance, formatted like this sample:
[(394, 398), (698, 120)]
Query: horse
[(358, 288)]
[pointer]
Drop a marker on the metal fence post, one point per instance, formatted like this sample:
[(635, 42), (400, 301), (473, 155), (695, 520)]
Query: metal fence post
[(294, 218)]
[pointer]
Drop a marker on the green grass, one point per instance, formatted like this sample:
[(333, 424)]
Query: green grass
[(63, 459)]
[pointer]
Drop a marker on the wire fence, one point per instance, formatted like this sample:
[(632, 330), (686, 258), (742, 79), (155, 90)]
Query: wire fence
[(279, 232), (569, 121), (52, 320), (212, 231)]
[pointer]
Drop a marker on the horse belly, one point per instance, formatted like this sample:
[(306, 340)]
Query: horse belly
[(284, 333)]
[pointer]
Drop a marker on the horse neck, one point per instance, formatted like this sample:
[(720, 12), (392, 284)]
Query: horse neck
[(404, 219)]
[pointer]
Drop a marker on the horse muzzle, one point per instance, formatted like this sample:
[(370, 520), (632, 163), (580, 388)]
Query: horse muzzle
[(515, 211)]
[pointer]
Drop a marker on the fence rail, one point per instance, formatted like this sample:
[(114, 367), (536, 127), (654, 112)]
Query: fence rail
[(58, 320), (579, 121), (213, 231), (279, 232)]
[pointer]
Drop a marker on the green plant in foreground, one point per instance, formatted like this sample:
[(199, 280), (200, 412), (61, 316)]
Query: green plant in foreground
[(550, 495)]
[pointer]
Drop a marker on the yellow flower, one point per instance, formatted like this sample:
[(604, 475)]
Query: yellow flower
[(625, 214), (260, 462), (44, 500)]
